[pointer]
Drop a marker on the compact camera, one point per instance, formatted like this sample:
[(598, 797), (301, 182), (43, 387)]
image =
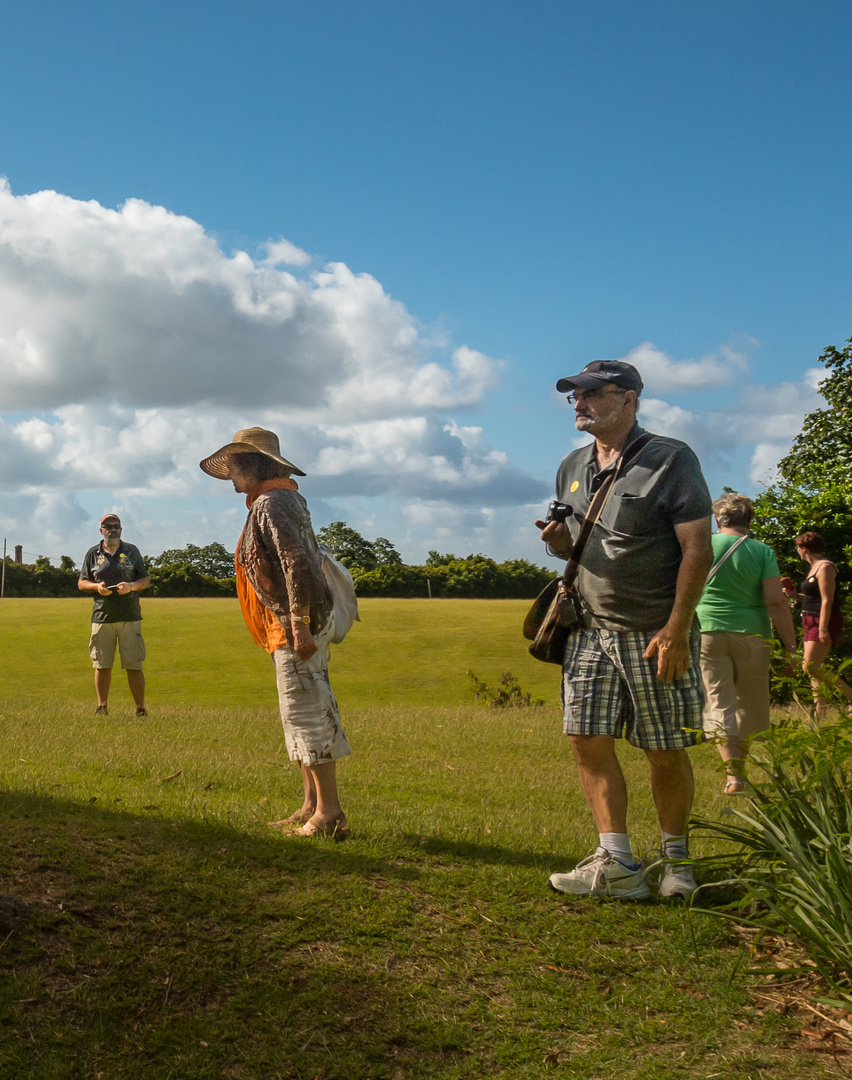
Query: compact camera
[(558, 511)]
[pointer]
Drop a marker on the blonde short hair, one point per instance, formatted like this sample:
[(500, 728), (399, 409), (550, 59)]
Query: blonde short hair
[(733, 510)]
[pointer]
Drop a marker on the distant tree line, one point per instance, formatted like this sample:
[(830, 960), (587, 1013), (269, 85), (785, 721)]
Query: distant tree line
[(378, 570), (189, 571), (475, 576), (376, 567), (41, 578), (193, 571)]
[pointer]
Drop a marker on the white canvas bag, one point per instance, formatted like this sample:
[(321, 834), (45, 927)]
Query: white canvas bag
[(342, 590)]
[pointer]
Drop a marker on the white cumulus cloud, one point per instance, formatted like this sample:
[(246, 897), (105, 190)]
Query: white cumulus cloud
[(140, 307), (132, 345), (282, 251), (663, 375)]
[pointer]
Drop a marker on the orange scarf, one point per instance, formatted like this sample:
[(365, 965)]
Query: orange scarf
[(262, 623), (279, 483)]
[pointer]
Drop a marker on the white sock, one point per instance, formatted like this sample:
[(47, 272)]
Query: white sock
[(675, 846), (618, 845)]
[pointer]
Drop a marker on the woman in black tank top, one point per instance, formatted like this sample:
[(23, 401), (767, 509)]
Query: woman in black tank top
[(822, 621)]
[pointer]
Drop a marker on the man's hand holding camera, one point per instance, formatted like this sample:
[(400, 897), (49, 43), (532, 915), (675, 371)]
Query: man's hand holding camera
[(554, 530)]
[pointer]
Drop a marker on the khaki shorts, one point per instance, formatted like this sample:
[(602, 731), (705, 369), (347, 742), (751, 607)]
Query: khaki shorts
[(735, 670), (128, 637)]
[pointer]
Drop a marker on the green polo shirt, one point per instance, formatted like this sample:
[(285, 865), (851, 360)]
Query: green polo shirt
[(125, 565), (628, 572)]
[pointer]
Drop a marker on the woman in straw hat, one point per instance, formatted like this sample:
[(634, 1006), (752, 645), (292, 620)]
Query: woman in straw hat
[(288, 609)]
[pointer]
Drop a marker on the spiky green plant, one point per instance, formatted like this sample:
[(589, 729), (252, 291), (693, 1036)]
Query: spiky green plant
[(794, 835)]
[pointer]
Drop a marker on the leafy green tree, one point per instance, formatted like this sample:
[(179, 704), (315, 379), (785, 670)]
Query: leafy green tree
[(183, 579), (67, 563), (39, 579), (435, 558), (391, 580), (214, 560), (815, 489), (815, 486), (475, 577), (349, 546), (785, 510), (386, 554), (821, 455)]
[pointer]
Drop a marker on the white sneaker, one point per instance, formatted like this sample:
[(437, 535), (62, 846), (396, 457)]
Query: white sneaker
[(602, 875), (678, 882)]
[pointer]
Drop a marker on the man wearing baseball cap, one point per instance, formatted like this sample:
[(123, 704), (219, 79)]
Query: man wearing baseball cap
[(115, 573), (632, 670)]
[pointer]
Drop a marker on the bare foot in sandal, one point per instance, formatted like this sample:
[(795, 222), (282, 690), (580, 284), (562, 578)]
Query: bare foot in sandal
[(336, 828), (299, 818)]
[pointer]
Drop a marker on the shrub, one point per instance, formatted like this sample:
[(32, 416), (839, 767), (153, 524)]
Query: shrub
[(40, 579), (508, 695), (182, 579), (476, 577)]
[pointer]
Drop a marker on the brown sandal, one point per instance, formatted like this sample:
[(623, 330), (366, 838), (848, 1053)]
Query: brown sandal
[(299, 818), (336, 829)]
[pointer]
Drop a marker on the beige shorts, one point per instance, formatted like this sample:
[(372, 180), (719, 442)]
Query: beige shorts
[(128, 637), (735, 671)]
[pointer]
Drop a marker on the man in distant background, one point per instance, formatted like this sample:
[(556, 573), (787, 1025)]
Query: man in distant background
[(115, 573)]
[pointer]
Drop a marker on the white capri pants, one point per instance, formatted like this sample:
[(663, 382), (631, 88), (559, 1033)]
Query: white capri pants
[(309, 712)]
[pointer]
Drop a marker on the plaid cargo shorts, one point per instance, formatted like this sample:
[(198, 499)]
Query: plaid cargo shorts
[(609, 689)]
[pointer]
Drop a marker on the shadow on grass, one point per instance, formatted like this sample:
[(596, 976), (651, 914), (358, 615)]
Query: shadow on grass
[(471, 851), (37, 824), (150, 948), (157, 948)]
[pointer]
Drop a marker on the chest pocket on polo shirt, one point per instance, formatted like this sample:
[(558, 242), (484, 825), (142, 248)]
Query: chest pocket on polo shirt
[(633, 514)]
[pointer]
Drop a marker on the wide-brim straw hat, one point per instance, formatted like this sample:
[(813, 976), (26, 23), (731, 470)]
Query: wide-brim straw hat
[(253, 440)]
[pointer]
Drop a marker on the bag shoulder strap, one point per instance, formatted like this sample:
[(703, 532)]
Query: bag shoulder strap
[(596, 509), (718, 565)]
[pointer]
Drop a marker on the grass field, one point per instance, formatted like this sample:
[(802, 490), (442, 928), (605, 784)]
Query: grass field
[(165, 932), (404, 652)]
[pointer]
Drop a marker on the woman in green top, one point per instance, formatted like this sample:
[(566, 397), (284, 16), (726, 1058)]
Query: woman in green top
[(741, 601)]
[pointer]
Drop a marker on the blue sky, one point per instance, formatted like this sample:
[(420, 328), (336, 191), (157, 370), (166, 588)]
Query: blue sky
[(476, 198)]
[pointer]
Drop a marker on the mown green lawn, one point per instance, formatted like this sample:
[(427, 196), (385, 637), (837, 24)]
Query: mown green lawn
[(404, 652), (165, 931)]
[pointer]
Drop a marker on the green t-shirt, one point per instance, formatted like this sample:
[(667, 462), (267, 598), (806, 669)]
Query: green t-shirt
[(733, 600)]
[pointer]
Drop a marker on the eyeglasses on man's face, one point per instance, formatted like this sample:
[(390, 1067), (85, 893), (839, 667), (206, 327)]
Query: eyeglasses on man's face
[(594, 395)]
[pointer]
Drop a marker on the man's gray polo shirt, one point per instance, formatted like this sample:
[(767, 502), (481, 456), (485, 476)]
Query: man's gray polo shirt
[(629, 569)]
